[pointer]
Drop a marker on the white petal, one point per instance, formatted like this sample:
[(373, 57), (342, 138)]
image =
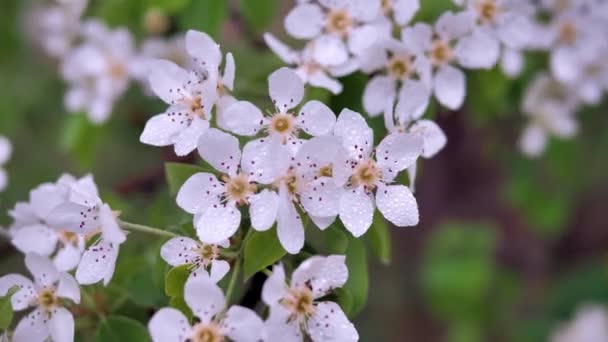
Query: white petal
[(533, 141), (565, 64), (356, 211), (322, 274), (379, 91), (450, 25), (169, 325), (398, 151), (512, 62), (242, 324), (404, 10), (363, 10), (322, 80), (304, 21), (67, 258), (417, 38), (321, 198), (411, 173), (264, 160), (6, 150), (330, 51), (356, 135), (263, 208), (279, 326), (68, 288), (329, 323), (478, 51), (187, 140), (316, 153), (203, 48), (284, 52), (179, 251), (398, 205), (32, 328), (160, 130), (434, 138), (229, 71), (362, 38), (218, 223), (43, 270), (37, 239), (110, 231), (322, 222), (98, 263), (219, 268), (289, 224), (61, 325), (204, 297), (166, 78), (199, 192), (22, 298), (316, 118), (243, 118), (449, 85), (3, 179), (414, 99), (73, 217), (286, 88), (274, 288), (221, 150)]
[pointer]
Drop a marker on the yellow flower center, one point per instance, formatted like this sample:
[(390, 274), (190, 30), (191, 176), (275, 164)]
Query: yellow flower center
[(441, 52), (367, 174), (299, 302), (487, 11), (206, 333), (68, 238), (47, 298), (400, 67), (326, 171), (568, 33), (339, 22), (238, 188)]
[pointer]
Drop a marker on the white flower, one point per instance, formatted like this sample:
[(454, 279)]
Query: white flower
[(206, 53), (31, 231), (47, 295), (85, 213), (98, 70), (206, 300), (215, 202), (6, 149), (589, 325), (286, 90), (57, 26), (203, 259), (362, 174), (401, 11), (335, 27), (294, 308), (310, 70)]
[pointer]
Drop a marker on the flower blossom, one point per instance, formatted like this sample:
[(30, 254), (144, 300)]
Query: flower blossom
[(6, 150), (203, 259), (58, 25)]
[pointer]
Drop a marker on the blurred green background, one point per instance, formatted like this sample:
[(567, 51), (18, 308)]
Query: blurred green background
[(507, 248)]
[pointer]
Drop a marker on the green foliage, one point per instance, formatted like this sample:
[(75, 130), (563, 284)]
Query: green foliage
[(119, 328), (178, 173), (169, 6), (80, 138), (204, 15), (358, 276), (175, 281), (259, 14), (6, 308), (379, 238), (262, 249), (336, 240)]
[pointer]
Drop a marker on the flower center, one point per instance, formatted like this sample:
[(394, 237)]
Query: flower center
[(326, 171), (208, 252), (387, 6), (487, 11), (400, 67), (339, 22), (282, 124), (367, 174), (299, 302), (568, 33), (291, 181), (117, 70), (238, 188), (47, 298), (441, 52), (68, 238), (206, 333)]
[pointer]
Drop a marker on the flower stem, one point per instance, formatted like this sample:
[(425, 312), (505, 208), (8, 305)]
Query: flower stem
[(235, 275), (145, 229)]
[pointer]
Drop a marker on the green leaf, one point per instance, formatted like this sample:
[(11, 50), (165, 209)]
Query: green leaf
[(344, 299), (119, 328), (259, 13), (261, 250), (179, 303), (169, 6), (6, 308), (358, 277), (175, 280), (379, 238), (335, 240), (204, 15), (79, 138), (178, 173)]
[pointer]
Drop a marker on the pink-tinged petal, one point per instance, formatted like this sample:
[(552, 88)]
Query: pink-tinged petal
[(321, 198), (274, 288), (160, 130), (219, 268), (204, 297), (203, 49), (356, 211), (433, 136), (229, 71), (322, 274), (32, 327), (316, 118), (199, 192), (243, 118), (242, 324), (380, 90), (187, 140), (398, 151), (37, 239), (329, 323), (167, 80), (179, 251), (304, 21), (61, 325), (218, 223), (68, 288), (221, 150), (98, 263), (263, 208), (330, 51), (398, 205), (289, 224), (480, 50), (357, 137), (450, 87), (286, 89), (284, 52), (264, 160), (26, 293), (42, 269), (169, 325)]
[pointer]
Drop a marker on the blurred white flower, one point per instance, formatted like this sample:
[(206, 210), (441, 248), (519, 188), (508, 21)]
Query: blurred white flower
[(400, 11), (202, 259), (295, 310), (207, 302), (589, 325), (57, 26), (6, 150), (47, 294)]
